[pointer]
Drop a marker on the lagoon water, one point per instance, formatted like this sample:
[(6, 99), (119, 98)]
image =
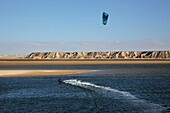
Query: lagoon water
[(107, 89)]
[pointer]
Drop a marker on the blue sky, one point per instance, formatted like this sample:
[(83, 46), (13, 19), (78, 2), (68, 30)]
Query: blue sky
[(75, 25)]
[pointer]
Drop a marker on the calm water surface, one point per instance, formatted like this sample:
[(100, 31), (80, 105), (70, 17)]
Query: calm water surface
[(107, 89)]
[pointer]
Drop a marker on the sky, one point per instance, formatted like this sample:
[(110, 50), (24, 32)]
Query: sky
[(76, 25)]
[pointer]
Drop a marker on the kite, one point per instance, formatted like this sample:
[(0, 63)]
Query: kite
[(105, 18)]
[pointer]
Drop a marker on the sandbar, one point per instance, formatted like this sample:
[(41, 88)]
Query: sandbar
[(31, 72)]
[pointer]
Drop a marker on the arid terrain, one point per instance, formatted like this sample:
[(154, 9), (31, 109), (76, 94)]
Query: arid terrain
[(77, 58)]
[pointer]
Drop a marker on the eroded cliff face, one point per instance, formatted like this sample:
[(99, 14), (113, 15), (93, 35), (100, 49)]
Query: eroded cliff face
[(101, 55)]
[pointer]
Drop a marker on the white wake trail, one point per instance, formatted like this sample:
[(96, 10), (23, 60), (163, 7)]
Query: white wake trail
[(100, 89), (124, 96)]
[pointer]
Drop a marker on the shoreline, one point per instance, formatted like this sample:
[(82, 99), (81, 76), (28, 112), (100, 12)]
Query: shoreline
[(45, 72), (83, 62), (31, 72)]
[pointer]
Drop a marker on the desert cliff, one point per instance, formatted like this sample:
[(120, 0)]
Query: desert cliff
[(101, 55)]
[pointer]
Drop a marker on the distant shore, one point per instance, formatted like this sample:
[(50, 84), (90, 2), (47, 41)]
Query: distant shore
[(44, 72), (82, 62)]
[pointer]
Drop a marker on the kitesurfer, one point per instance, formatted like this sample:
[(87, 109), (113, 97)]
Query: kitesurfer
[(59, 80)]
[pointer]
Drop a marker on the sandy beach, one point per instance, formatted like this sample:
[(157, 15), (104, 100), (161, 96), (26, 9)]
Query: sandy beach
[(6, 73)]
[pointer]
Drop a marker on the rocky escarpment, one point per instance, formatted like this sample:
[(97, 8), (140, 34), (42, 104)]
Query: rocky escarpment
[(101, 55)]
